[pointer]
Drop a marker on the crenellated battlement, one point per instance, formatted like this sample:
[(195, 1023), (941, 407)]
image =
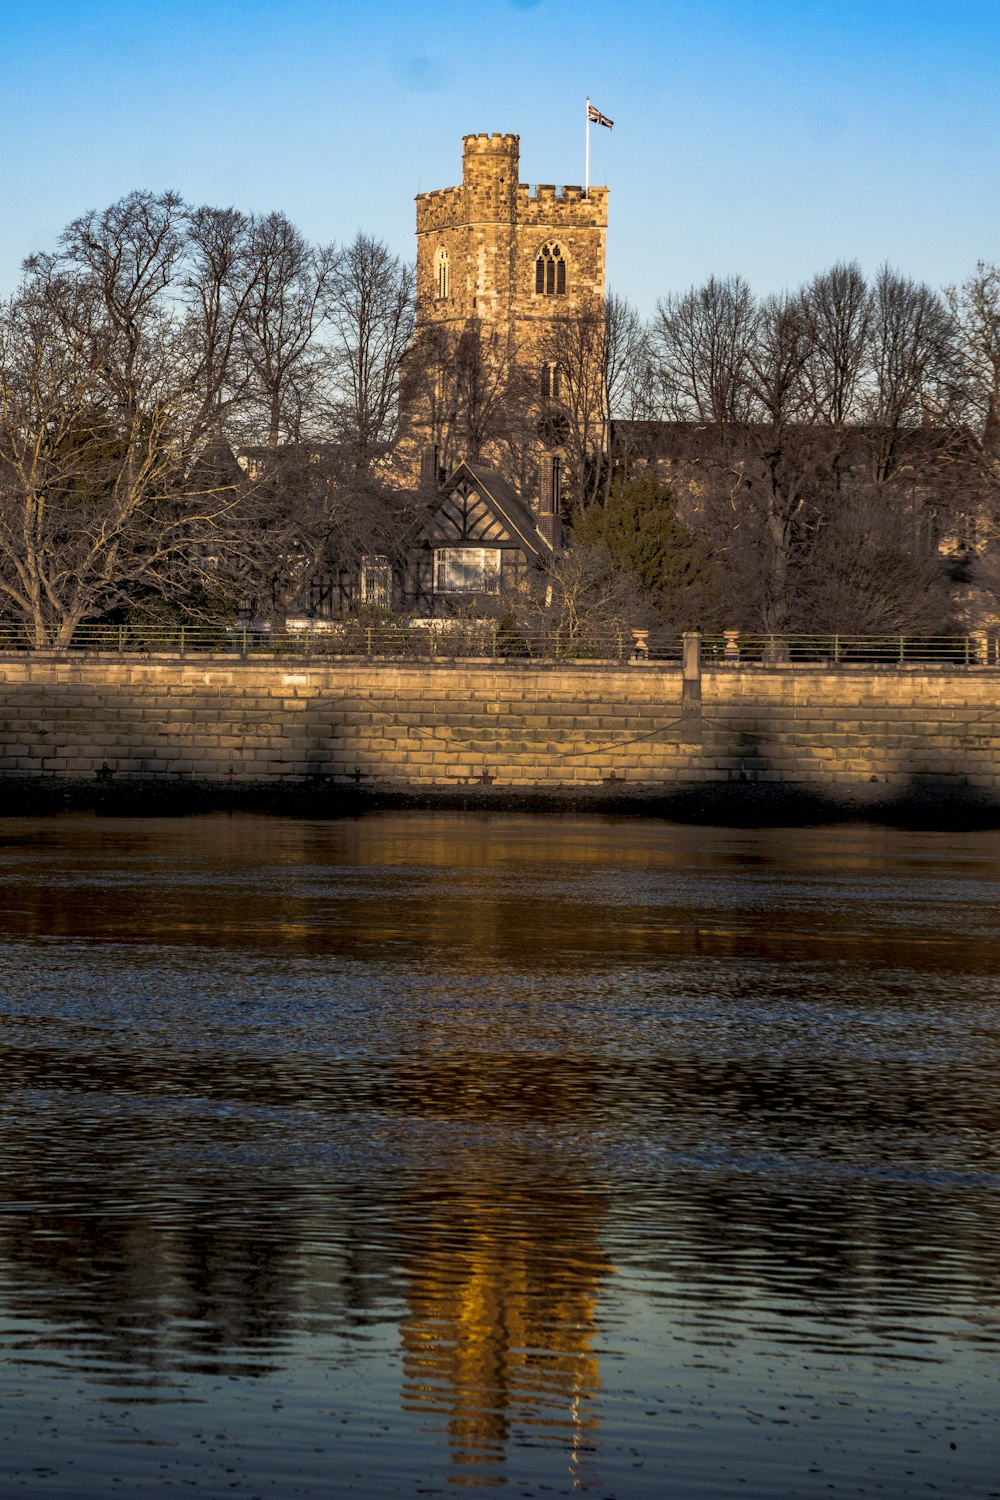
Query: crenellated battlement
[(437, 193), (440, 209), (543, 203), (568, 194), (508, 144), (546, 203)]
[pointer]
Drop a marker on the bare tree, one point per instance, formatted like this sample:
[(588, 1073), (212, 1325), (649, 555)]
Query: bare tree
[(129, 356), (913, 368), (863, 576), (95, 411), (219, 278), (702, 342), (585, 599), (279, 322), (781, 465), (484, 377), (594, 368), (627, 358), (127, 257), (787, 404), (370, 304), (573, 410), (427, 396), (838, 307), (629, 383), (734, 372), (470, 393), (975, 311), (309, 520)]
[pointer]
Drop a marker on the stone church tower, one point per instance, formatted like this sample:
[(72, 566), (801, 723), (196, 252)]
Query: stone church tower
[(501, 270)]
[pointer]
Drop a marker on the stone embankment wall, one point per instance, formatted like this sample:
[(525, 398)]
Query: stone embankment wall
[(516, 725)]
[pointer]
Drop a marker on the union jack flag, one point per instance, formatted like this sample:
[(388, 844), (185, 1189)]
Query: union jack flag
[(595, 117)]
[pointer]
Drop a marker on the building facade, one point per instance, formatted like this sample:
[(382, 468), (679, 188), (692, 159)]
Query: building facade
[(513, 257), (477, 545), (506, 276)]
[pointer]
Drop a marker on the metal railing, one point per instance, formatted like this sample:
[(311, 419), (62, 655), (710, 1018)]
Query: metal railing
[(838, 650), (444, 640), (417, 639)]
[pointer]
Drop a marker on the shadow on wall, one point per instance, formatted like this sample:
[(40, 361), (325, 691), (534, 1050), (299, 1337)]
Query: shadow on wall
[(754, 761)]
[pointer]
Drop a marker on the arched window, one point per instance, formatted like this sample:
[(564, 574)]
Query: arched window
[(550, 271), (551, 381), (442, 273)]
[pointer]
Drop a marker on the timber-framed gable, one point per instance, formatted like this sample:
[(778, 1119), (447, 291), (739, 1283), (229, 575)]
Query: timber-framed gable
[(477, 544)]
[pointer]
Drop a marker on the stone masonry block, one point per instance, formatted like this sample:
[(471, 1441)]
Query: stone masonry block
[(544, 724)]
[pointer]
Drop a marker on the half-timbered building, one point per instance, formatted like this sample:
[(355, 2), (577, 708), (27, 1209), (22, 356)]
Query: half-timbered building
[(477, 543)]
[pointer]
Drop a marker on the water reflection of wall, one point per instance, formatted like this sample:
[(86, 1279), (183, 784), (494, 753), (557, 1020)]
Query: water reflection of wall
[(173, 1236), (502, 1289), (458, 891), (138, 1236), (219, 1039)]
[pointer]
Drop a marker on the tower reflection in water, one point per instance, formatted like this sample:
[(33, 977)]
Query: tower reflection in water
[(500, 1329)]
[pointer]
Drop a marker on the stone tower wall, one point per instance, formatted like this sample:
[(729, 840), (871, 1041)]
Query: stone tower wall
[(492, 228)]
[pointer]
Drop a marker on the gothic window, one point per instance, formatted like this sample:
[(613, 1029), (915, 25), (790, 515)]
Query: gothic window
[(550, 271), (553, 486), (442, 274), (551, 382)]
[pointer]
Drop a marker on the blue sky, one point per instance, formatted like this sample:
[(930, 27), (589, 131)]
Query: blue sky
[(769, 137)]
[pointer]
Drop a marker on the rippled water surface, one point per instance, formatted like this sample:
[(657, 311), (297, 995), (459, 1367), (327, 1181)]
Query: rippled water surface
[(382, 1156)]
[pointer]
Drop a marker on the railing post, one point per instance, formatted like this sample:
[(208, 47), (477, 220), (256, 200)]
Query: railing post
[(182, 640), (836, 648), (902, 648), (691, 688)]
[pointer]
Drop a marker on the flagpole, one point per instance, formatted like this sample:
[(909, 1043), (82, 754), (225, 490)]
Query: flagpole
[(586, 175)]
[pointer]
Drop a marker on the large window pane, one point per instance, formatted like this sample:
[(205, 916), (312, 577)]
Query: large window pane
[(467, 570)]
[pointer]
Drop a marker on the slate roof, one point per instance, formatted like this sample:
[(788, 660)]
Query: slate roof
[(669, 441)]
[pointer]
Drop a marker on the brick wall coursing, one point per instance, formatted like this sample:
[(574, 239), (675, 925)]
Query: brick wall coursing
[(523, 726)]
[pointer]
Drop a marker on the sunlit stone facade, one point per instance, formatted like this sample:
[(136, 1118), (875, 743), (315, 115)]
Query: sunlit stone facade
[(505, 265), (491, 233)]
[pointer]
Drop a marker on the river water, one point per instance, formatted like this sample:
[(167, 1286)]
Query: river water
[(545, 1155)]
